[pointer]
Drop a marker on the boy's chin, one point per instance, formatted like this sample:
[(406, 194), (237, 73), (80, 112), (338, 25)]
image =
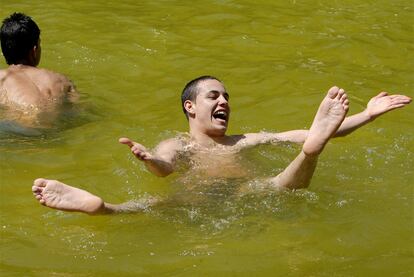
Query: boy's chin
[(221, 131)]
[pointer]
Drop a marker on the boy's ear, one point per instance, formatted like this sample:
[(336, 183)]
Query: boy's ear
[(189, 107), (35, 55)]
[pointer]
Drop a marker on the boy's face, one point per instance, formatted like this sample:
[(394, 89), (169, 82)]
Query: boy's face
[(211, 108)]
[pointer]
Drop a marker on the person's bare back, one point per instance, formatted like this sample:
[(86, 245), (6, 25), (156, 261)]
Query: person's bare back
[(29, 96), (27, 86)]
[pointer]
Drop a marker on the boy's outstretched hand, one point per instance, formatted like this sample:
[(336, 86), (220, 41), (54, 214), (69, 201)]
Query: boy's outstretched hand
[(383, 103), (137, 149)]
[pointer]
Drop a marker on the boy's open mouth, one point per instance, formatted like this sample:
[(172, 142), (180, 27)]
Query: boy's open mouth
[(221, 115)]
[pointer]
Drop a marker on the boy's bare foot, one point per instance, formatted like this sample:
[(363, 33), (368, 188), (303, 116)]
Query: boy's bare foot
[(328, 118), (57, 195)]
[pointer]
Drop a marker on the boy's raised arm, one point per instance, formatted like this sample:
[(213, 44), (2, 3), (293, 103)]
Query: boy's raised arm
[(377, 106)]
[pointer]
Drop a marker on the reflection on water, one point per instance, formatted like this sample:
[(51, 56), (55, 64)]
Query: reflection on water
[(8, 127)]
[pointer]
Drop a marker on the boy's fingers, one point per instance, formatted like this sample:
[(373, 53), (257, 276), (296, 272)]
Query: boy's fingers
[(401, 99), (396, 106), (126, 141), (137, 149), (404, 98)]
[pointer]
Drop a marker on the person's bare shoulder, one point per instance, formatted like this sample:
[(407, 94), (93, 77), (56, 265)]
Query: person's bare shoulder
[(3, 95), (17, 89), (251, 139), (3, 73), (168, 150), (58, 80), (55, 85), (175, 144)]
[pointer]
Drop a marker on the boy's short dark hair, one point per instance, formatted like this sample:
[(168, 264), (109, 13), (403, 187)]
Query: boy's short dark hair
[(190, 90), (18, 35)]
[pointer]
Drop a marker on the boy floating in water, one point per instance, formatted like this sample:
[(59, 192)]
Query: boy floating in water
[(31, 96), (206, 105)]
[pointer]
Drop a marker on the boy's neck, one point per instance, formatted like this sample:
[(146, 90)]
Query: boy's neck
[(23, 63)]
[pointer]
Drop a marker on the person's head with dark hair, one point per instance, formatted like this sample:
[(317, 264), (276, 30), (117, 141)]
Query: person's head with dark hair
[(20, 41), (191, 88), (205, 103)]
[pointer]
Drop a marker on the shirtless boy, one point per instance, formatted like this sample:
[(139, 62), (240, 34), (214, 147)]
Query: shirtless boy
[(205, 102), (30, 96)]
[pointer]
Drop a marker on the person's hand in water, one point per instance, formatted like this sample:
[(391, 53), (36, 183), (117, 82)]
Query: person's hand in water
[(137, 149), (383, 103)]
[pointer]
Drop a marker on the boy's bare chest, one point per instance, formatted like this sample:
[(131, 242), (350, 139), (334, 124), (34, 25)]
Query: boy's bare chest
[(217, 163)]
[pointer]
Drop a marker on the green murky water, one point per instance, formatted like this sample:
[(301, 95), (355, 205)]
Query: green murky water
[(130, 61)]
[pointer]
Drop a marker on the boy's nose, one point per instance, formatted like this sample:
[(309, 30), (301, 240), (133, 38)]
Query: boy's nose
[(223, 100)]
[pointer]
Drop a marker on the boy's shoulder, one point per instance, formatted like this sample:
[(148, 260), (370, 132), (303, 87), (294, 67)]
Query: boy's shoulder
[(178, 142)]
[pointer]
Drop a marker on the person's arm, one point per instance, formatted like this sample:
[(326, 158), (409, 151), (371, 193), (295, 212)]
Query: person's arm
[(377, 106), (67, 87), (161, 162), (253, 139), (72, 95)]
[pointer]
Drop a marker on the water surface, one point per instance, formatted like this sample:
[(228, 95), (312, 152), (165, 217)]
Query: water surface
[(130, 62)]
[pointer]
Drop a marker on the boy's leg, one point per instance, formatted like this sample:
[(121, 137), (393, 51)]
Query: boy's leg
[(57, 195), (329, 117)]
